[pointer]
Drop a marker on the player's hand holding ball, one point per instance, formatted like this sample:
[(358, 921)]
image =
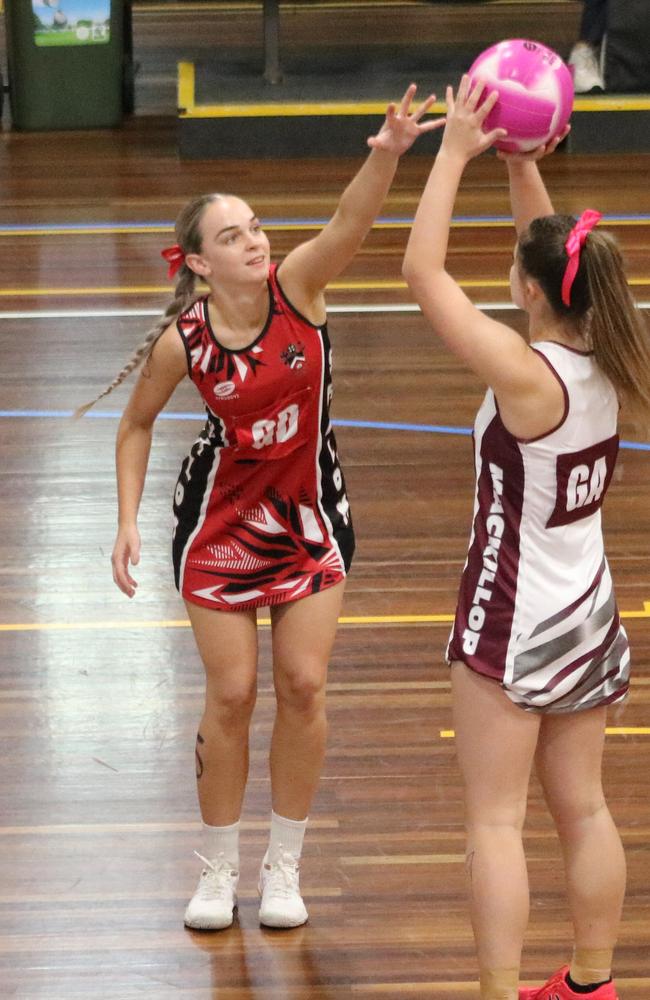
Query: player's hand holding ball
[(465, 135)]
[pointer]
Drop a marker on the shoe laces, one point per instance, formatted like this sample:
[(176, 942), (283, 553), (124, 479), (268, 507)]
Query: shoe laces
[(216, 878), (282, 875)]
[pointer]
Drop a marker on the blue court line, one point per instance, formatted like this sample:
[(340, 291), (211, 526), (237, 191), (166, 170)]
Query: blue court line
[(389, 426), (377, 425), (164, 226)]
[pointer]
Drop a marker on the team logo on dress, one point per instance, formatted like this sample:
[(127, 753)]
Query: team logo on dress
[(294, 356), (224, 389)]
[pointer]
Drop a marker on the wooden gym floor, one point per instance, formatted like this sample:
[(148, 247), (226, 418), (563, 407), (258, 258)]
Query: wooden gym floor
[(100, 697)]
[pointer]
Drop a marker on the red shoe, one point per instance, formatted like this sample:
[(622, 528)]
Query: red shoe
[(558, 989)]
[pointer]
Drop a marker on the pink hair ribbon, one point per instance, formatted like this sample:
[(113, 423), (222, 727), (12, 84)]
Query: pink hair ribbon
[(573, 246), (175, 257)]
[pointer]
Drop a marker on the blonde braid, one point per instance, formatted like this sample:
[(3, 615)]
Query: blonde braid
[(185, 295)]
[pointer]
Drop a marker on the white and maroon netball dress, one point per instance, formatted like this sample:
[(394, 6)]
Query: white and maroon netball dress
[(261, 513), (536, 609)]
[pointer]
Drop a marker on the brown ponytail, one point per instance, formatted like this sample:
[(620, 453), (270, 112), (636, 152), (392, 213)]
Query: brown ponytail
[(617, 330), (188, 236), (601, 307)]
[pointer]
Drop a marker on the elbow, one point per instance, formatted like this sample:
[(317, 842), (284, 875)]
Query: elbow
[(413, 272), (407, 269), (133, 423), (422, 280)]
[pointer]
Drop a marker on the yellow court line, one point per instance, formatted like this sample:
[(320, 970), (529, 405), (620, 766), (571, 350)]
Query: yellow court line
[(449, 734), (335, 286), (439, 988), (458, 224), (185, 85), (184, 623), (96, 230), (619, 103), (188, 108), (133, 290), (464, 283), (271, 227)]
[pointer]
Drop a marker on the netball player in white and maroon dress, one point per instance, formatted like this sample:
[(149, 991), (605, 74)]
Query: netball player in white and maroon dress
[(261, 514), (537, 649)]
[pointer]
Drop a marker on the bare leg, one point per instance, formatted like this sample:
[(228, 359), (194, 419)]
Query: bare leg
[(495, 742), (569, 764), (303, 635), (227, 642)]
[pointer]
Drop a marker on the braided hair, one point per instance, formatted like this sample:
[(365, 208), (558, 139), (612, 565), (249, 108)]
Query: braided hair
[(189, 238)]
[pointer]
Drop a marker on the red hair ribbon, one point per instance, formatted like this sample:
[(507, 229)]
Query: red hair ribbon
[(573, 246), (175, 257)]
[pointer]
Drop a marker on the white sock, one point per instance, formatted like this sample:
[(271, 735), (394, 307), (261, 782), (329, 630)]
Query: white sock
[(224, 840), (286, 835)]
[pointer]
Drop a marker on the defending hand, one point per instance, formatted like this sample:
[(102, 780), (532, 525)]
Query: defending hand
[(401, 129)]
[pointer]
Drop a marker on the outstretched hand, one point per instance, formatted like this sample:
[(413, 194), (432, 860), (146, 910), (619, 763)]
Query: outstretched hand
[(401, 128), (464, 135), (536, 154)]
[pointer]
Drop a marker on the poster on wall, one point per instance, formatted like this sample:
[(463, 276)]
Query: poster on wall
[(72, 22)]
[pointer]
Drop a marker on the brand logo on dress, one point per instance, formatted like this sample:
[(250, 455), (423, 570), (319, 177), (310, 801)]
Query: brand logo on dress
[(224, 389), (294, 356)]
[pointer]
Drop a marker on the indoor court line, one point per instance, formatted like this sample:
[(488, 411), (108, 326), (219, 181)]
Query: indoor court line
[(336, 307), (439, 988), (368, 688), (362, 307), (449, 734), (274, 225), (379, 285), (337, 422), (251, 825), (184, 623)]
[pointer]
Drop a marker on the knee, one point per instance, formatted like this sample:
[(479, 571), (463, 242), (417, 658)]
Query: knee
[(302, 691), (571, 812), (233, 706), (505, 829), (494, 818)]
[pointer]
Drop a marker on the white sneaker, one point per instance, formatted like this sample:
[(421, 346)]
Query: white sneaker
[(279, 887), (586, 71), (211, 907)]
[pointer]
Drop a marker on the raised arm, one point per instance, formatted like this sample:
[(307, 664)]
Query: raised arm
[(308, 268), (528, 195), (495, 352), (160, 376)]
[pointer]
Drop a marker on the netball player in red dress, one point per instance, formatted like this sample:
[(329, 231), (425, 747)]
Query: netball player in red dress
[(537, 650), (261, 514)]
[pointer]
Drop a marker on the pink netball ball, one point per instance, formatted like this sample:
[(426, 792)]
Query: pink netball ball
[(535, 92)]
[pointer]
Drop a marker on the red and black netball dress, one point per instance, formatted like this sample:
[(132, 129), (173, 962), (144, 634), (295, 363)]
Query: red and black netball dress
[(260, 510)]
